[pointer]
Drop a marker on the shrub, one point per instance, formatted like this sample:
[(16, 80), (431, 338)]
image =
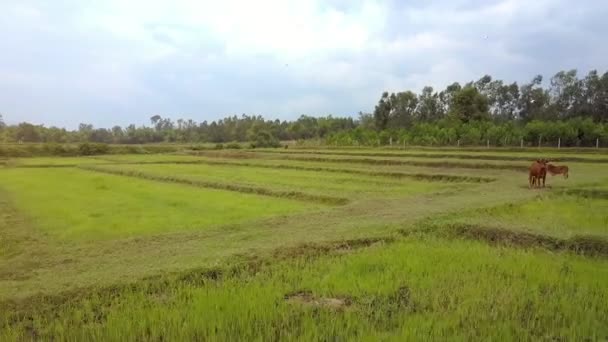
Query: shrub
[(264, 138), (233, 145), (88, 149)]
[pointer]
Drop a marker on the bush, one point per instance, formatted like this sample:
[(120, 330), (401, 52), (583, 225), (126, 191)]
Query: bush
[(233, 145), (219, 146), (88, 149), (264, 138), (199, 147)]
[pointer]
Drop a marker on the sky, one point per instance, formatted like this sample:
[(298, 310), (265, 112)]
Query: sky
[(114, 62)]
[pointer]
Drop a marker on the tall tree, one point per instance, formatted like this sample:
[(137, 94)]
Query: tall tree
[(402, 108), (382, 112), (502, 100), (595, 96), (468, 104), (27, 132), (566, 94), (534, 101), (366, 120), (445, 96), (429, 106)]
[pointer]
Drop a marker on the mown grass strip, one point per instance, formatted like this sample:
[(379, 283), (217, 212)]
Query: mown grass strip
[(587, 193), (416, 176), (443, 156), (582, 245), (374, 161), (296, 195), (44, 166)]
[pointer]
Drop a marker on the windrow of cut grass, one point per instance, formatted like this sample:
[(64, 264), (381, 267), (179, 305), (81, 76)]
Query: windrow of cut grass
[(553, 157), (42, 162), (555, 215), (528, 150), (421, 287), (75, 204), (163, 177), (369, 161), (577, 244), (440, 177), (588, 193)]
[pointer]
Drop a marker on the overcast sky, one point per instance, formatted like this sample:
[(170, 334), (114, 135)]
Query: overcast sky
[(120, 62)]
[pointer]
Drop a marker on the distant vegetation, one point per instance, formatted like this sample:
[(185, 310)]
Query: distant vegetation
[(571, 109)]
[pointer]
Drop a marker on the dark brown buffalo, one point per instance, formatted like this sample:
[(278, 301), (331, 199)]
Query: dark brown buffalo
[(558, 170), (538, 173)]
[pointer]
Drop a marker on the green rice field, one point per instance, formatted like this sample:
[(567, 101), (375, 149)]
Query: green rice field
[(304, 244)]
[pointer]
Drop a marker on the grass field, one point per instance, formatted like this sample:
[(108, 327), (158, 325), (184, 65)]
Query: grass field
[(303, 245), (77, 204)]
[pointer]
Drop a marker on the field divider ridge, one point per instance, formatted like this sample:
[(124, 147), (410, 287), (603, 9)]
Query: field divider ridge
[(585, 245), (373, 161), (296, 195), (435, 177), (440, 156), (586, 193)]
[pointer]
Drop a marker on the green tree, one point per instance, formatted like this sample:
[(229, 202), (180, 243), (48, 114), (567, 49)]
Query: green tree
[(429, 106), (446, 96), (382, 112), (402, 109), (534, 101), (566, 93), (154, 120), (27, 132), (469, 104), (366, 120)]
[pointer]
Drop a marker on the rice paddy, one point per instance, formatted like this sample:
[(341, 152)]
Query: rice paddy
[(353, 244)]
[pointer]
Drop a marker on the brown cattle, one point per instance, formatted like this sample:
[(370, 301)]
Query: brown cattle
[(558, 170), (538, 172)]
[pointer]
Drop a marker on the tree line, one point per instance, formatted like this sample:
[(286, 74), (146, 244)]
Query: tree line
[(570, 109)]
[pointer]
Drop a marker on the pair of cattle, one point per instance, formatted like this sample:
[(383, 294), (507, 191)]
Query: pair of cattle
[(539, 169)]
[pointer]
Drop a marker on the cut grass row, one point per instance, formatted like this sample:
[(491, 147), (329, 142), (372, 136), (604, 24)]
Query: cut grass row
[(185, 160), (164, 177), (368, 161), (421, 287), (594, 246), (561, 216), (591, 152), (438, 155)]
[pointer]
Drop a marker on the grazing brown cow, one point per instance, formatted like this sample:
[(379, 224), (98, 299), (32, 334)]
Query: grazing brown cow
[(538, 172), (558, 170)]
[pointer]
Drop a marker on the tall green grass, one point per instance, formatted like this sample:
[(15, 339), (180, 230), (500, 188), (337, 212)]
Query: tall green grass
[(417, 289)]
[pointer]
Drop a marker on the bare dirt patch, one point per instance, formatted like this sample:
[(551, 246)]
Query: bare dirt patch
[(307, 298)]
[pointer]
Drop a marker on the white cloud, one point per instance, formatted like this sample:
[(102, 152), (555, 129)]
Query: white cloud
[(218, 57)]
